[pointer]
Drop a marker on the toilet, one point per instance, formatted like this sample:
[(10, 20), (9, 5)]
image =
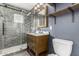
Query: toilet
[(62, 47)]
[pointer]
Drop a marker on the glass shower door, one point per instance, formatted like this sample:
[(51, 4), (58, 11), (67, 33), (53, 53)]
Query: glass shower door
[(12, 34)]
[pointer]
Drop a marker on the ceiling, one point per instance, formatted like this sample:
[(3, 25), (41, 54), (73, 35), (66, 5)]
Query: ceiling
[(27, 6)]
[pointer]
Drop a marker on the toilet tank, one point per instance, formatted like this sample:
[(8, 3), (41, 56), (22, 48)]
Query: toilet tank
[(62, 47)]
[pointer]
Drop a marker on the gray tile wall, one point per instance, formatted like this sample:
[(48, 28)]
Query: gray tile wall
[(14, 33)]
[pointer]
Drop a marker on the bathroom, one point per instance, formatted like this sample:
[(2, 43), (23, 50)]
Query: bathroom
[(46, 21)]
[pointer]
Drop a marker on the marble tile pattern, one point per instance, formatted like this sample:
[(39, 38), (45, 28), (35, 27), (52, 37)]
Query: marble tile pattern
[(14, 33)]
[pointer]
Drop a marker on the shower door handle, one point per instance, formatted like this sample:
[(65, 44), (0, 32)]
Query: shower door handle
[(3, 28)]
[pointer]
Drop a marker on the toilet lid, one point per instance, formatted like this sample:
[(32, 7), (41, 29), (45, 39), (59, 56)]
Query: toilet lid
[(67, 42)]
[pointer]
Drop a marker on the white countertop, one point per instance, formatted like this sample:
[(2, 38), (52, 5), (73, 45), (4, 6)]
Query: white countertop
[(38, 34)]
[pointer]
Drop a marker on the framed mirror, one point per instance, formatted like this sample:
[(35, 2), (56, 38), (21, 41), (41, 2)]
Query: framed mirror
[(41, 17)]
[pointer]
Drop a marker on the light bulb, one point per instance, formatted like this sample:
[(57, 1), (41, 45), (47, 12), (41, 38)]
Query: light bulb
[(38, 6)]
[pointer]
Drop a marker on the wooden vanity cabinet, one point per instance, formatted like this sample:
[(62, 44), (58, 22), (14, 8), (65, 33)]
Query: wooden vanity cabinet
[(38, 44)]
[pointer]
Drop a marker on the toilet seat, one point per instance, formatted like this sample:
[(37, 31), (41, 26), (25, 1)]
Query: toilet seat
[(52, 54)]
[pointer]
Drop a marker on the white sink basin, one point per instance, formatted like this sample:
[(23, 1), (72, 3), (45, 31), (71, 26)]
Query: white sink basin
[(38, 34)]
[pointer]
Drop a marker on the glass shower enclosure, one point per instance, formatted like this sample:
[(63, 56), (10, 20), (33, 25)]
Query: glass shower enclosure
[(12, 34)]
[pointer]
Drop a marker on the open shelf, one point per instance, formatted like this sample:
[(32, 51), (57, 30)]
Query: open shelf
[(61, 12), (75, 6), (66, 10)]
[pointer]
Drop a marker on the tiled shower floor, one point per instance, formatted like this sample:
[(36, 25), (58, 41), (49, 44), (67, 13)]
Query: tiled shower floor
[(20, 53)]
